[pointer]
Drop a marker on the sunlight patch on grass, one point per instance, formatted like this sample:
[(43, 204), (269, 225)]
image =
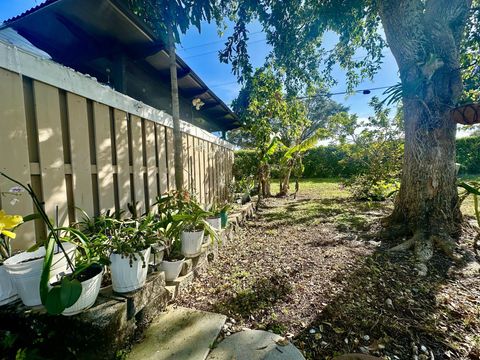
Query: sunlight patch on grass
[(333, 189), (467, 206)]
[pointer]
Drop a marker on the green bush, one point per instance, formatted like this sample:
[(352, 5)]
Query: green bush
[(330, 162), (468, 154), (334, 162), (245, 164)]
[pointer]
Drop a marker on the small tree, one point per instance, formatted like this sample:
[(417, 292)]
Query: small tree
[(376, 144), (262, 108)]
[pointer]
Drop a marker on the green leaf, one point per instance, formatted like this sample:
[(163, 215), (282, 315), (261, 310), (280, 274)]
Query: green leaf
[(470, 189), (53, 302), (47, 263), (70, 291), (31, 217)]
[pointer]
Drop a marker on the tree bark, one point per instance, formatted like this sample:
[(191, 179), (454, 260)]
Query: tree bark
[(285, 182), (425, 41), (177, 135), (264, 180)]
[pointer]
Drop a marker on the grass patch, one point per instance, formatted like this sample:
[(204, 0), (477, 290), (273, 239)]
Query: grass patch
[(332, 188)]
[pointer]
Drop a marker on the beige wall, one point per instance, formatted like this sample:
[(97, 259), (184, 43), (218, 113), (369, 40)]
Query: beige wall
[(76, 152)]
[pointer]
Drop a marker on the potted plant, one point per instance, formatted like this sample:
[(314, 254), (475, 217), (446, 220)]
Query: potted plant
[(191, 225), (72, 293), (27, 269), (130, 252), (173, 260), (218, 216), (224, 215), (98, 230), (63, 289), (214, 218)]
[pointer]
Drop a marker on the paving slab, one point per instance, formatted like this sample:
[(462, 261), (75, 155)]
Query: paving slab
[(255, 345), (179, 334)]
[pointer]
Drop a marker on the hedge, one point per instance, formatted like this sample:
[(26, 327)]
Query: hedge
[(468, 154), (331, 161)]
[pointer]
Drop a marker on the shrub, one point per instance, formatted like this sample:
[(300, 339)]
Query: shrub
[(245, 164), (330, 162), (468, 154)]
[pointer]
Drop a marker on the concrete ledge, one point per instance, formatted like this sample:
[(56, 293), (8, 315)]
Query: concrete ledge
[(137, 300), (115, 319)]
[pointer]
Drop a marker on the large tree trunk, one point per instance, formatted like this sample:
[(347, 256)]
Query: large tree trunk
[(425, 43), (177, 135)]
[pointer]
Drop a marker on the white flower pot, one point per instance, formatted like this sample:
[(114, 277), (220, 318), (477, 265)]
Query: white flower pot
[(126, 278), (90, 290), (215, 223), (26, 275), (171, 268), (191, 243), (7, 290)]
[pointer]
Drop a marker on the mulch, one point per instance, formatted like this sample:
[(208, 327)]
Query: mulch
[(314, 271)]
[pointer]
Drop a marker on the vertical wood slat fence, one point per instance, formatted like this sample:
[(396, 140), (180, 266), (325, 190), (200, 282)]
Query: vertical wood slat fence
[(76, 152)]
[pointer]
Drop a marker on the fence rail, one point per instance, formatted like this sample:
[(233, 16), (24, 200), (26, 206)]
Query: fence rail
[(77, 152)]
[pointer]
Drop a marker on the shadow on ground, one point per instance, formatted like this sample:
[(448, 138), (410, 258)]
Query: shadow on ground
[(313, 267), (386, 309)]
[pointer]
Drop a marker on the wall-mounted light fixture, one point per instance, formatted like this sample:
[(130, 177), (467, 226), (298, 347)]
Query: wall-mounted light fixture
[(197, 103)]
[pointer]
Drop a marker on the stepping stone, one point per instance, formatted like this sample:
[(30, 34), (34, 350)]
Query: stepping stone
[(179, 334), (254, 345)]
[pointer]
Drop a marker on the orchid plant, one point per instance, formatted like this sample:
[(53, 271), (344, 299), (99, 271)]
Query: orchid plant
[(8, 224)]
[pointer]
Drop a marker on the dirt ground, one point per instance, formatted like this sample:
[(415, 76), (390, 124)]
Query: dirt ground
[(313, 270)]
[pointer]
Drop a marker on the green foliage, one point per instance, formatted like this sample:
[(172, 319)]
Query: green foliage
[(468, 154), (181, 14), (470, 57), (245, 164), (377, 145), (180, 211), (295, 30), (334, 161), (472, 188), (131, 236), (331, 162), (319, 109)]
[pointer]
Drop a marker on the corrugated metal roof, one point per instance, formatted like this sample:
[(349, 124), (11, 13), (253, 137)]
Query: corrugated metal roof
[(29, 11)]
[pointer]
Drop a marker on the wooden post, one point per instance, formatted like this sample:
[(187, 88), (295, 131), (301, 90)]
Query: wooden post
[(177, 136)]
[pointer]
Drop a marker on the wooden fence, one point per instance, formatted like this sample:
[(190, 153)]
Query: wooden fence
[(77, 152)]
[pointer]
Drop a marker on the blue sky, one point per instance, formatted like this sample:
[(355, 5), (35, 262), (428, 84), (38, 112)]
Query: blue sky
[(200, 53)]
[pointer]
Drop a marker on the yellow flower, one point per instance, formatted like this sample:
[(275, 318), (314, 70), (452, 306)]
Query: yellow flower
[(9, 222)]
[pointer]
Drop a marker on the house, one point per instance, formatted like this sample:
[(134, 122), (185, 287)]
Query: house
[(86, 119), (104, 39)]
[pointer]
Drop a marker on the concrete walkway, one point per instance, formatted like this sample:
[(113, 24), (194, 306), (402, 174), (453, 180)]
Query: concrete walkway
[(255, 345), (186, 334), (179, 334)]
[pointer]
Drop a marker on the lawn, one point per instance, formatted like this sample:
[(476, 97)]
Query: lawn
[(333, 188), (313, 269)]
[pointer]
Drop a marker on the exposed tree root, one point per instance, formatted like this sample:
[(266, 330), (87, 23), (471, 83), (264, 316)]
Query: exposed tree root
[(404, 246), (423, 247)]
